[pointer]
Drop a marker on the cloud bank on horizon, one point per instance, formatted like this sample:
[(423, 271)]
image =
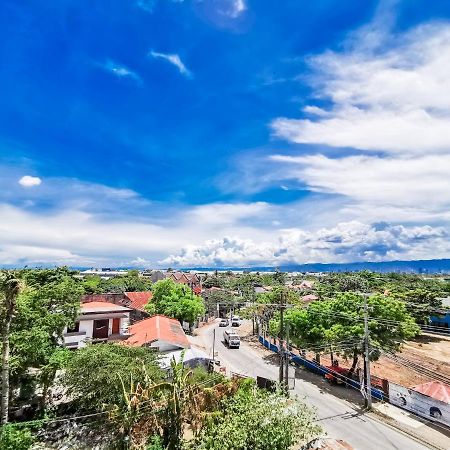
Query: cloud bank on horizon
[(337, 152)]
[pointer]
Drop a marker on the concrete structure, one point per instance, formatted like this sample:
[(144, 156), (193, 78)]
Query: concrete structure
[(98, 322)]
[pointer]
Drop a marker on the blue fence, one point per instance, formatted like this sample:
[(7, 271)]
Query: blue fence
[(312, 366)]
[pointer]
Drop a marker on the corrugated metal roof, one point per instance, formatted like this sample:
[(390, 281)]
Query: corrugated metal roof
[(157, 328), (434, 389)]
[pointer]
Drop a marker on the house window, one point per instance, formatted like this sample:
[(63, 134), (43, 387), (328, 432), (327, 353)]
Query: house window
[(75, 328)]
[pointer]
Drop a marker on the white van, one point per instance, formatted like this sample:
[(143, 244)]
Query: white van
[(231, 339)]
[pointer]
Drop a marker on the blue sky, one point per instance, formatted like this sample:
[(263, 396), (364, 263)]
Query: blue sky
[(224, 132)]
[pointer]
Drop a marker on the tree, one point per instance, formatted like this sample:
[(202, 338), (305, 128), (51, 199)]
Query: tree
[(177, 300), (257, 420), (10, 287), (339, 324), (96, 374), (50, 303)]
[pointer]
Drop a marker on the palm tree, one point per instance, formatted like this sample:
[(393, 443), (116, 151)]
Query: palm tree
[(10, 287)]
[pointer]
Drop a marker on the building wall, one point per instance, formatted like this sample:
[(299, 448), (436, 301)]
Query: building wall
[(86, 329)]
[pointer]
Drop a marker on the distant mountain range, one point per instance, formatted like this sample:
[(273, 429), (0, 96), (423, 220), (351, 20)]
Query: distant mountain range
[(430, 266)]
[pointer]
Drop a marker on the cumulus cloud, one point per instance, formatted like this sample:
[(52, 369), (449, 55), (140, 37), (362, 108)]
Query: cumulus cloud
[(173, 59), (349, 241), (29, 181)]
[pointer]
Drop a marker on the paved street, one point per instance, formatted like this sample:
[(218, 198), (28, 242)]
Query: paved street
[(340, 419)]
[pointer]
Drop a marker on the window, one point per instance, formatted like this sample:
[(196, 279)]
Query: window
[(75, 328)]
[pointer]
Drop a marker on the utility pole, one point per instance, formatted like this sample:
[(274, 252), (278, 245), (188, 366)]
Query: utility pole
[(280, 339), (213, 346), (286, 360), (368, 400)]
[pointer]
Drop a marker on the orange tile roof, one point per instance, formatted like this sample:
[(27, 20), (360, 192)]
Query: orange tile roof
[(139, 299), (157, 328), (435, 389)]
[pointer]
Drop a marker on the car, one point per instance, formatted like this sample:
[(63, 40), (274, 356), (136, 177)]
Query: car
[(235, 322), (223, 323)]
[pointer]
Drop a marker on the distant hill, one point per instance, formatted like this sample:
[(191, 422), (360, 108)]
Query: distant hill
[(430, 266)]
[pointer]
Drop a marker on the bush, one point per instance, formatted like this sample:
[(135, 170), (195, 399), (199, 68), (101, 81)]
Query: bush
[(14, 438)]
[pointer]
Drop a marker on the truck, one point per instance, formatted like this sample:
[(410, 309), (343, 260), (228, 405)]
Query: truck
[(231, 339)]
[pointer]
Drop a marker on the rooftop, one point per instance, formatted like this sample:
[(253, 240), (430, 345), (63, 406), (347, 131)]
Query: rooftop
[(93, 307), (139, 299), (157, 328), (435, 389)]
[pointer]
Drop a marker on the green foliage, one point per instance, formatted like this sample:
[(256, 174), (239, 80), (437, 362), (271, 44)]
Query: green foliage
[(131, 282), (155, 443), (15, 438), (331, 322), (257, 420), (177, 300), (43, 310), (94, 374)]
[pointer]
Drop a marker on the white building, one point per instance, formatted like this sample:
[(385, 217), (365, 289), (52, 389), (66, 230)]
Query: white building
[(98, 321)]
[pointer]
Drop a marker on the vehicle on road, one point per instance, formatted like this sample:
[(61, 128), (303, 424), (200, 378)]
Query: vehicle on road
[(224, 323), (235, 321), (231, 339)]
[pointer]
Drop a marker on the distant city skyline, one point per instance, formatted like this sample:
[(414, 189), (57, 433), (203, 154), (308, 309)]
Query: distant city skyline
[(236, 133)]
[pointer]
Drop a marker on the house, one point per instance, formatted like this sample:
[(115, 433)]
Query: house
[(159, 332), (98, 322), (190, 279), (133, 300), (154, 275), (137, 301)]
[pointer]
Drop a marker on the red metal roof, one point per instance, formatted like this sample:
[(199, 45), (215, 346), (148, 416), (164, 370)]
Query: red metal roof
[(139, 299), (434, 389), (157, 328)]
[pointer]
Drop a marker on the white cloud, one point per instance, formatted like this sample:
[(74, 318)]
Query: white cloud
[(173, 59), (120, 71), (29, 181), (350, 241), (234, 8), (395, 100)]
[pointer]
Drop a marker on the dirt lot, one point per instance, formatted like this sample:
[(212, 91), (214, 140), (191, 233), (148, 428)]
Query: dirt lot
[(430, 351)]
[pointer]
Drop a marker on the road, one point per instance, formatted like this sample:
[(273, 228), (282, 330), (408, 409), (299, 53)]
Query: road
[(340, 419)]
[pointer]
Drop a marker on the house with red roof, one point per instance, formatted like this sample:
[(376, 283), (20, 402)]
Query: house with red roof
[(159, 332), (98, 322), (190, 279), (133, 300)]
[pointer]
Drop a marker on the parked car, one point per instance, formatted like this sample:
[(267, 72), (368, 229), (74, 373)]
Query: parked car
[(224, 323), (231, 339)]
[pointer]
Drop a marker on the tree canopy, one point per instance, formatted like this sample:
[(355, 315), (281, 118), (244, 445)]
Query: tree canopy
[(176, 300), (94, 374)]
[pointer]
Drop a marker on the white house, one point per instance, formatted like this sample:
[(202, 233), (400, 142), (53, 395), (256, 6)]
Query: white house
[(98, 321)]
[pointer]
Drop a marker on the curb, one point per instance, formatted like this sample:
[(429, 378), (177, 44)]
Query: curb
[(387, 420)]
